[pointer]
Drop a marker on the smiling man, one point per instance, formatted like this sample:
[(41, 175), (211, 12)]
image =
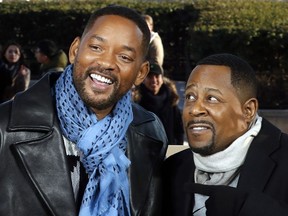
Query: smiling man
[(236, 164), (75, 144)]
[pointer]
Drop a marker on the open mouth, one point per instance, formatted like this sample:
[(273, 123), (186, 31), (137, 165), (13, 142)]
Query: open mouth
[(101, 79), (200, 127)]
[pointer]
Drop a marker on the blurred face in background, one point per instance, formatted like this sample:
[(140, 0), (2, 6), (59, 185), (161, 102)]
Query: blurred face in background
[(153, 82), (40, 57), (12, 54)]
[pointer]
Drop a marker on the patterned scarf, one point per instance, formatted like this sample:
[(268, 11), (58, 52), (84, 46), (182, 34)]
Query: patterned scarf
[(102, 145)]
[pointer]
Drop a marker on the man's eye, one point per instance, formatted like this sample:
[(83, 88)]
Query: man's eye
[(190, 97), (212, 99), (126, 58), (96, 48)]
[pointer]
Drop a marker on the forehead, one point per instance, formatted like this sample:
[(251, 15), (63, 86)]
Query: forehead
[(210, 76), (124, 27), (13, 47)]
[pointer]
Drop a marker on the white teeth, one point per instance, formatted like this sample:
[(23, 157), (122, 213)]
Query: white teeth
[(199, 128), (101, 79)]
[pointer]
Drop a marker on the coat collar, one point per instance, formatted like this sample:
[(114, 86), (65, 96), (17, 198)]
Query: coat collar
[(36, 100), (52, 184), (259, 165)]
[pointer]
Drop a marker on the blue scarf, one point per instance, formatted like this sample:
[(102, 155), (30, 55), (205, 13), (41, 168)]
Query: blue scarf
[(102, 145)]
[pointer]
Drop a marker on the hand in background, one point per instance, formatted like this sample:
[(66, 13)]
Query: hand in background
[(23, 70)]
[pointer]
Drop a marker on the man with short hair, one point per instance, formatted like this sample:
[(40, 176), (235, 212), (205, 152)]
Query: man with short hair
[(50, 57), (74, 144), (159, 95), (237, 161)]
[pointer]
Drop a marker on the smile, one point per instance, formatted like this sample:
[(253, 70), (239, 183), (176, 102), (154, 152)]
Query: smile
[(101, 79), (199, 128)]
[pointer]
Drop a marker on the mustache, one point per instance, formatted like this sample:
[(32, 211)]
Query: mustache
[(99, 69)]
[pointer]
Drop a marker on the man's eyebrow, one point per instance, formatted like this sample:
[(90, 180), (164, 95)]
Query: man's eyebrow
[(126, 47), (213, 90), (190, 86), (130, 49), (206, 89), (97, 37)]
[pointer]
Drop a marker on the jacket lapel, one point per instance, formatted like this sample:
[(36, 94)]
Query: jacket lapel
[(258, 165), (44, 163), (36, 104), (39, 149)]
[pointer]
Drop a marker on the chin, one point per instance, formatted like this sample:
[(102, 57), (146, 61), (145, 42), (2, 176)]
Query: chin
[(203, 150)]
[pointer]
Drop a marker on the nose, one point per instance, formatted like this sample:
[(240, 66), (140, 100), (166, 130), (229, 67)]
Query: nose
[(154, 78), (198, 108), (107, 61), (13, 54)]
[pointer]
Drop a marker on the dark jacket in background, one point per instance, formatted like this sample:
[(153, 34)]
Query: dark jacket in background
[(169, 114)]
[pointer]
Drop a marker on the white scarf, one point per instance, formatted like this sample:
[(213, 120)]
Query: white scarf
[(233, 156)]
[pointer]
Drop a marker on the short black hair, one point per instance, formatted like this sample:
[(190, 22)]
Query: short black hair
[(48, 47), (243, 77), (127, 13)]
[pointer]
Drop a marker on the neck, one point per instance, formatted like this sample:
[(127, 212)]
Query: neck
[(100, 114)]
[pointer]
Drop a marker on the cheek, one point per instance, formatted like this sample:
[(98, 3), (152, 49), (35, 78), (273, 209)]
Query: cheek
[(160, 80), (231, 126), (6, 55), (127, 78), (84, 58), (185, 114), (229, 115)]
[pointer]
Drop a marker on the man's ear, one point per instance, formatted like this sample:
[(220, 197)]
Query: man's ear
[(74, 49), (250, 109), (142, 73)]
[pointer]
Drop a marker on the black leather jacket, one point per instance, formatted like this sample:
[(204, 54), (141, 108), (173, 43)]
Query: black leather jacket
[(34, 176)]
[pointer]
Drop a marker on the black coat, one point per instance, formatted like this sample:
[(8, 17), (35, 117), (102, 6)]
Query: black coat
[(35, 179), (264, 175), (170, 115)]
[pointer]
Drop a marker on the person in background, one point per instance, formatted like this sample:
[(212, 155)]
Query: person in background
[(74, 143), (50, 57), (237, 161), (14, 74), (158, 94), (156, 49)]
